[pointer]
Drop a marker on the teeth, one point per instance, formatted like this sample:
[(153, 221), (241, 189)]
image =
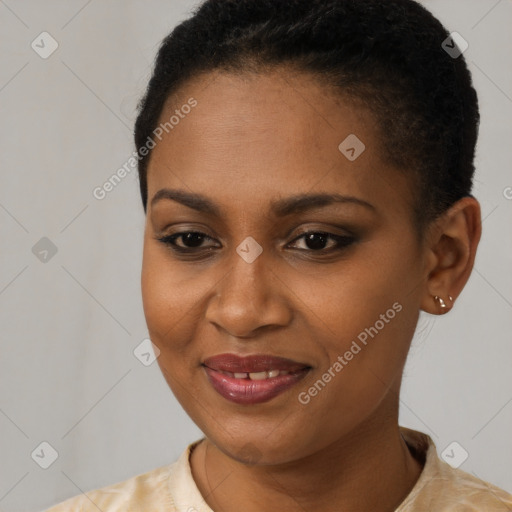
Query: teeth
[(257, 375)]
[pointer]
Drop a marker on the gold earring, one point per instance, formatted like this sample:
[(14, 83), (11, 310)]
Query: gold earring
[(441, 302)]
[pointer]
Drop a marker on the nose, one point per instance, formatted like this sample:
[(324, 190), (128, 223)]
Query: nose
[(250, 298)]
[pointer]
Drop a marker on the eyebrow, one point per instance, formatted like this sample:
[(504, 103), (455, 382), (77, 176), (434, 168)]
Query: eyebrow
[(280, 208)]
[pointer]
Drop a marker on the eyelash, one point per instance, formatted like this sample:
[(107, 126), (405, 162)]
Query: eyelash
[(343, 241)]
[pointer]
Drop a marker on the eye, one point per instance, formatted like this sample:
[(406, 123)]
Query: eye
[(191, 240), (316, 240)]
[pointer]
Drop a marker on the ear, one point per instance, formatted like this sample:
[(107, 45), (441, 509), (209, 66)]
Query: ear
[(451, 250)]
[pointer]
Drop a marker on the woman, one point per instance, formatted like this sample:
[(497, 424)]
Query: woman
[(306, 172)]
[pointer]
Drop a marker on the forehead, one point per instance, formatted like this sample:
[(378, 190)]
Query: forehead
[(256, 136)]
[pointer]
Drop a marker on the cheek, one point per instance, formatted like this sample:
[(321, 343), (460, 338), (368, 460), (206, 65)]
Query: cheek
[(164, 294), (175, 296), (168, 310), (341, 305), (366, 316)]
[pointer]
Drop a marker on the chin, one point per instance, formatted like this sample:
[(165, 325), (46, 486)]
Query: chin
[(259, 450)]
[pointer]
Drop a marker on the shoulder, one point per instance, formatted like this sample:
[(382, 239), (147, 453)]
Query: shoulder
[(146, 491), (444, 488), (466, 492), (454, 490)]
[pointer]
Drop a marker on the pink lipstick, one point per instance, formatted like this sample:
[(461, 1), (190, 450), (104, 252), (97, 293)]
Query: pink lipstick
[(252, 379)]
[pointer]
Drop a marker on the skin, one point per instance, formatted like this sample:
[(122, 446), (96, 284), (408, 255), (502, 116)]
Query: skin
[(253, 139)]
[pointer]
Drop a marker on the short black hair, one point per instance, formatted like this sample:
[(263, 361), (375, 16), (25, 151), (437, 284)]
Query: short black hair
[(389, 54)]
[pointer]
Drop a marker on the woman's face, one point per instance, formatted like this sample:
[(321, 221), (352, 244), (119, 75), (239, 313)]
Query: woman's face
[(340, 304)]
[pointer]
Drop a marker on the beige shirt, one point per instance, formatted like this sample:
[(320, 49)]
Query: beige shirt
[(171, 488)]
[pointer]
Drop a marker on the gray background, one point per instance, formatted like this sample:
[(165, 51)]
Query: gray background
[(68, 375)]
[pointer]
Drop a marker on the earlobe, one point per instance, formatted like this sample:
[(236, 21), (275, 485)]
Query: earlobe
[(452, 252)]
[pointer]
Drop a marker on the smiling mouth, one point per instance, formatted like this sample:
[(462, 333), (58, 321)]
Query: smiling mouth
[(252, 379)]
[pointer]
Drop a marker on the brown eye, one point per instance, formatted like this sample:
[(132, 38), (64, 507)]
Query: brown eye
[(189, 240), (317, 240)]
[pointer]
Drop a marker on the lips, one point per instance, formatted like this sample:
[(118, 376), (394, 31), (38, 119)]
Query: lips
[(252, 379)]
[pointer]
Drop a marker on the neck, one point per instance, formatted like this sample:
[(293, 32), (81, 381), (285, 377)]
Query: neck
[(366, 470)]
